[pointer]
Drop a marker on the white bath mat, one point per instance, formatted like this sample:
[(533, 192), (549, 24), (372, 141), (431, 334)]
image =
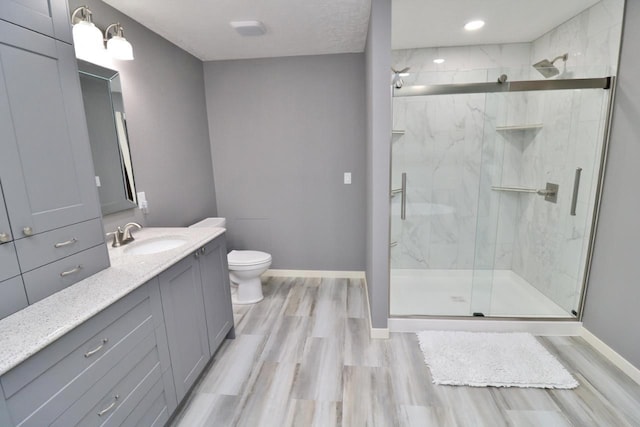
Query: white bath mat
[(491, 359)]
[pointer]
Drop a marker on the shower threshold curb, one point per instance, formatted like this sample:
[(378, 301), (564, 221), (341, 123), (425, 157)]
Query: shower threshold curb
[(535, 327)]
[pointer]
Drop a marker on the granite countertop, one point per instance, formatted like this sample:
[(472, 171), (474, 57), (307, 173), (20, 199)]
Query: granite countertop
[(30, 330)]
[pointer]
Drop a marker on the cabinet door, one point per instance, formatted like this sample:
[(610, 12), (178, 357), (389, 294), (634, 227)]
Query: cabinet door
[(5, 229), (45, 168), (215, 289), (8, 260), (49, 17), (181, 295), (12, 297)]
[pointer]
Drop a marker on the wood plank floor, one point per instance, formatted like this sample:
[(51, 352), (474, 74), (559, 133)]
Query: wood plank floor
[(303, 357)]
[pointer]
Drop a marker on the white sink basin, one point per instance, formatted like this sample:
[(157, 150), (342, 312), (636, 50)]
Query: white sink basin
[(154, 245)]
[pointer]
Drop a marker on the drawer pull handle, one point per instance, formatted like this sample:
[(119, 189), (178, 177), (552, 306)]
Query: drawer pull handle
[(73, 270), (110, 407), (28, 231), (97, 349), (4, 237), (67, 243)]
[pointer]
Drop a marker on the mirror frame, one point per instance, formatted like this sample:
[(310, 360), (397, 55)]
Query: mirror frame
[(126, 197)]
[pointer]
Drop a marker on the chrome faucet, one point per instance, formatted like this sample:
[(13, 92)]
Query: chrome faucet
[(123, 235)]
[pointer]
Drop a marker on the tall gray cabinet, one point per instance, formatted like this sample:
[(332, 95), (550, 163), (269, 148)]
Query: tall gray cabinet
[(53, 225)]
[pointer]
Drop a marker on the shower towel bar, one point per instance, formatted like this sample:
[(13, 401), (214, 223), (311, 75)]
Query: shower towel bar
[(541, 192)]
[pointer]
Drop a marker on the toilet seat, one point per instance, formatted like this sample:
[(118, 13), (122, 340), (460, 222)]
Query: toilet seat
[(247, 258)]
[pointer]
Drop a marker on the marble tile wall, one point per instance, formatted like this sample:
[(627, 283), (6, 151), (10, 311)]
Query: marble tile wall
[(551, 245), (452, 154), (441, 151)]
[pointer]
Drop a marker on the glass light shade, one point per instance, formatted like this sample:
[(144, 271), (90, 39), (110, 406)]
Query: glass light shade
[(87, 40), (119, 48)]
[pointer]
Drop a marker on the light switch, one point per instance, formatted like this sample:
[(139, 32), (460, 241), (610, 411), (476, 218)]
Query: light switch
[(347, 177)]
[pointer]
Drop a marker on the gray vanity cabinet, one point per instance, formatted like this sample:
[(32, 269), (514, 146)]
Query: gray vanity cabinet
[(216, 292), (51, 209), (5, 228), (48, 17), (110, 370), (12, 293), (181, 293), (45, 168)]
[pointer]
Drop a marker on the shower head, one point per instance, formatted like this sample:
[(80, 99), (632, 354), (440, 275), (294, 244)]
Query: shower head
[(397, 81), (546, 67)]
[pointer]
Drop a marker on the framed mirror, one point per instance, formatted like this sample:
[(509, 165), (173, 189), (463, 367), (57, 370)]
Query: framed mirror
[(106, 121)]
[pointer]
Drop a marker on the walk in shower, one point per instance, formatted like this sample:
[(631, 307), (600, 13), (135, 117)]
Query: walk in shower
[(494, 191)]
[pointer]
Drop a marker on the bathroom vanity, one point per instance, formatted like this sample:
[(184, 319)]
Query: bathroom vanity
[(124, 346)]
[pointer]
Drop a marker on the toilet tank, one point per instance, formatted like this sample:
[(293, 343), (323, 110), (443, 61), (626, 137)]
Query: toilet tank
[(211, 222)]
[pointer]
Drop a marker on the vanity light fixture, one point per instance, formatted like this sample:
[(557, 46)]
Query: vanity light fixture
[(117, 46), (89, 42), (474, 25), (438, 61), (87, 38)]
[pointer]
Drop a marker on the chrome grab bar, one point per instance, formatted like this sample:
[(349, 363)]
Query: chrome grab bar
[(550, 192), (576, 187), (403, 193), (541, 192)]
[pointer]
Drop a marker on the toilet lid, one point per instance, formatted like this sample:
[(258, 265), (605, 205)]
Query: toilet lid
[(247, 257)]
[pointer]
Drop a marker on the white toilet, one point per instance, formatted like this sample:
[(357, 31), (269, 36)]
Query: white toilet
[(245, 268)]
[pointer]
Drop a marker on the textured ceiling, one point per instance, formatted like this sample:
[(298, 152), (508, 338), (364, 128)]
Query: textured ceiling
[(434, 23), (294, 27), (313, 27)]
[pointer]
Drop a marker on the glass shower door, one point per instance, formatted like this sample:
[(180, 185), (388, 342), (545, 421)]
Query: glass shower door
[(437, 148), (541, 163)]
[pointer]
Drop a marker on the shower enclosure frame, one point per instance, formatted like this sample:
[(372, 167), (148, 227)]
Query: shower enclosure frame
[(502, 85)]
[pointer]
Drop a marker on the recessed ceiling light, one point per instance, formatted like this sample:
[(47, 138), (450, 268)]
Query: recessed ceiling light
[(438, 60), (474, 25), (249, 28)]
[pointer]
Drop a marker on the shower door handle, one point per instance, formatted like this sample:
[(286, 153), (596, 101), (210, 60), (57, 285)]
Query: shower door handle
[(576, 187), (403, 194)]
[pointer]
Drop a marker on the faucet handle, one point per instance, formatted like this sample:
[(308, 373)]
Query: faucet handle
[(117, 237)]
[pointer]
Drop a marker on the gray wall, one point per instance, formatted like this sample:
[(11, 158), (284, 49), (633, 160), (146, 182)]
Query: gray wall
[(283, 132), (378, 63), (163, 91), (611, 311)]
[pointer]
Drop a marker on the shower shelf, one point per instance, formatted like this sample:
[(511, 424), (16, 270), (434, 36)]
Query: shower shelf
[(533, 126)]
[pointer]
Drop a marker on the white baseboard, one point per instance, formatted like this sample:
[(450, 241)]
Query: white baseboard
[(315, 273), (380, 333), (622, 363), (374, 333), (535, 327)]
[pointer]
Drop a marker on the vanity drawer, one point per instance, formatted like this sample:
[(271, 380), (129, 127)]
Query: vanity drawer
[(152, 410), (8, 261), (110, 400), (44, 248), (45, 385), (54, 277), (12, 296)]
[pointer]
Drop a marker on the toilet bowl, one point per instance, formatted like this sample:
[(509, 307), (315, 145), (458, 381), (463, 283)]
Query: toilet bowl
[(245, 268)]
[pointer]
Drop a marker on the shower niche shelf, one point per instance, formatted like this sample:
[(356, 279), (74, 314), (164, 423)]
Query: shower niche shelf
[(524, 127)]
